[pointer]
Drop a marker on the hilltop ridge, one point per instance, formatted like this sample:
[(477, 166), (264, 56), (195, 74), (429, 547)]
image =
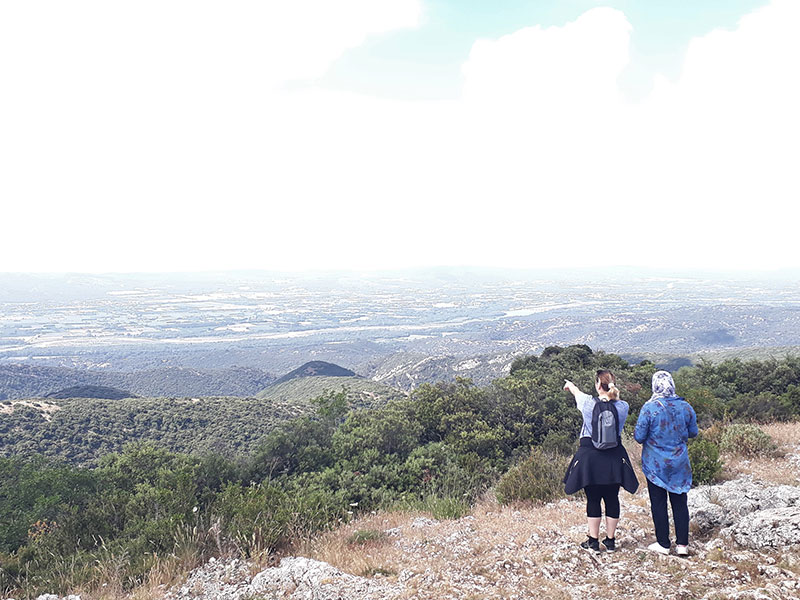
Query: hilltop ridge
[(317, 377), (91, 391), (315, 368)]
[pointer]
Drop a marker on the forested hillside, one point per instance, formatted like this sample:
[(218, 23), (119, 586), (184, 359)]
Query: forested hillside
[(438, 450), (81, 430)]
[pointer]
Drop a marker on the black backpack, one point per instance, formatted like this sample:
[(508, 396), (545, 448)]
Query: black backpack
[(605, 425)]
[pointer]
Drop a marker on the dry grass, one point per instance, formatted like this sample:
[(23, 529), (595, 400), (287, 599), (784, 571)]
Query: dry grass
[(773, 470), (634, 450), (769, 468), (108, 573), (496, 549), (443, 551), (337, 547), (164, 574), (786, 435), (108, 581)]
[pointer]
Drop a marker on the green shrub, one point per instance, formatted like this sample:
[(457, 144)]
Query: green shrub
[(438, 507), (559, 443), (538, 477), (704, 458), (446, 507), (746, 440), (257, 518)]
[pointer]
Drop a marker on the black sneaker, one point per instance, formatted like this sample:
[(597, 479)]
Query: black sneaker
[(591, 544), (610, 544)]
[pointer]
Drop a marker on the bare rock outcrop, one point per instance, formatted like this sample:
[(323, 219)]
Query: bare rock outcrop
[(299, 578), (215, 580), (721, 506), (296, 578), (770, 528)]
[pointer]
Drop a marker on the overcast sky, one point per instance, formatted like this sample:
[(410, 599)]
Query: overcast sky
[(163, 135)]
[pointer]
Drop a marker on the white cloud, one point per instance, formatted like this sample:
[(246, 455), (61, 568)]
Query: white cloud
[(536, 69), (174, 143), (722, 141), (701, 173)]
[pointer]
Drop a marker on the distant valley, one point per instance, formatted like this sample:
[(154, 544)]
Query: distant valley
[(234, 334)]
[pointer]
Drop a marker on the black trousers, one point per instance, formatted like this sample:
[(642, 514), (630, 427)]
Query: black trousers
[(680, 513), (609, 494)]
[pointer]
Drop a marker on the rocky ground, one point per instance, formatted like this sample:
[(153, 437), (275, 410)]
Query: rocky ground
[(745, 545), (500, 552)]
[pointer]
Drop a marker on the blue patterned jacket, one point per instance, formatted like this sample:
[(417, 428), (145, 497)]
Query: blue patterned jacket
[(663, 429)]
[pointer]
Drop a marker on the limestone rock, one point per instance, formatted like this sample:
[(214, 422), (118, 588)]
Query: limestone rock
[(771, 528), (301, 578), (724, 505), (215, 580)]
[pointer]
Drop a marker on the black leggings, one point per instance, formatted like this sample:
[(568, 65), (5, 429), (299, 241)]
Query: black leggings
[(680, 512), (610, 496)]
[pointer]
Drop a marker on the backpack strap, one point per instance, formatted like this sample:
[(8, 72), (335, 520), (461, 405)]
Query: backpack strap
[(613, 408)]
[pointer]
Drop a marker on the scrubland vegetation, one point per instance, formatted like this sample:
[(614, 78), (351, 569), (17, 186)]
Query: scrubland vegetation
[(142, 514)]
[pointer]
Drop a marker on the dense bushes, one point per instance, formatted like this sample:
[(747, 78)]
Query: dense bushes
[(735, 439), (705, 461), (736, 390), (136, 505), (83, 430)]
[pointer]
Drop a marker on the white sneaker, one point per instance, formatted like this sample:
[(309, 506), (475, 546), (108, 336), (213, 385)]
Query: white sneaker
[(682, 550), (658, 548)]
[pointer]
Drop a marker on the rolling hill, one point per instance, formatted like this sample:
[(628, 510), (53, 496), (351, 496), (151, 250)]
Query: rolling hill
[(316, 377), (316, 368)]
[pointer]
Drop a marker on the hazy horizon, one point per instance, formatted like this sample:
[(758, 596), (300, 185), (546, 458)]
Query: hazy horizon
[(620, 269)]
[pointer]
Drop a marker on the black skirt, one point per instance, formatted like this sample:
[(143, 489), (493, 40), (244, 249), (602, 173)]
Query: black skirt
[(591, 466)]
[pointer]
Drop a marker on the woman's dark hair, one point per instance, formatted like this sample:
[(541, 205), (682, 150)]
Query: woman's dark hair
[(607, 382)]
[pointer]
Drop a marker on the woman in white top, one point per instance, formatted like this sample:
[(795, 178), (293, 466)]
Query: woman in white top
[(600, 473)]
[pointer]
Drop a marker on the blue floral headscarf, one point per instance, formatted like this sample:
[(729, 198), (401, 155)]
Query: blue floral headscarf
[(663, 386)]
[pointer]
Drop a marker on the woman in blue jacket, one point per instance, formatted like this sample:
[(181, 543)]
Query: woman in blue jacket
[(665, 424)]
